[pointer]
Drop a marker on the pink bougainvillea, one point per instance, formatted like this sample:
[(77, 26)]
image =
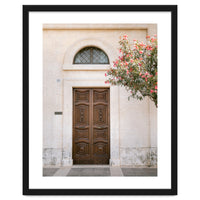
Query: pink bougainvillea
[(136, 68)]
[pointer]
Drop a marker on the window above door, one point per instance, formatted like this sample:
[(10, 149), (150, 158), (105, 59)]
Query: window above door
[(91, 55)]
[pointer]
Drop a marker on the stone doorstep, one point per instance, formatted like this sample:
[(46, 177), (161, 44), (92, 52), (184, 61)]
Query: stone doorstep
[(139, 172), (49, 171), (138, 166), (62, 171), (90, 166), (117, 171), (89, 172), (101, 166)]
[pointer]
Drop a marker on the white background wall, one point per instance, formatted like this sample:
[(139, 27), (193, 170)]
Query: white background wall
[(11, 101)]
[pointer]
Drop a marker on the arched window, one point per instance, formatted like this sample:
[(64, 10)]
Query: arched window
[(91, 55)]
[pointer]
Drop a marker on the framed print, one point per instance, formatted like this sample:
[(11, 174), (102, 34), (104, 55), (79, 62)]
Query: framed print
[(99, 100)]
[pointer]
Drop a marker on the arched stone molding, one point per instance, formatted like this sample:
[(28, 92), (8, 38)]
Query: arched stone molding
[(80, 44)]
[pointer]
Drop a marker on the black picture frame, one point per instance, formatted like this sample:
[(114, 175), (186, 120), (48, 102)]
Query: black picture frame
[(100, 8)]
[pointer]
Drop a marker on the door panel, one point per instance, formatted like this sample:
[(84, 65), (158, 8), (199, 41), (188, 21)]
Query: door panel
[(101, 126), (81, 127), (82, 95), (100, 134), (100, 115), (101, 95), (91, 144), (82, 115)]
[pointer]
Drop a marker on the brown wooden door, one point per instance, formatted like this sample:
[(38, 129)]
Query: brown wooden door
[(91, 126)]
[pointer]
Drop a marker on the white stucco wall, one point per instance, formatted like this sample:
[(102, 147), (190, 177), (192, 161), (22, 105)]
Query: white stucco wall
[(133, 123)]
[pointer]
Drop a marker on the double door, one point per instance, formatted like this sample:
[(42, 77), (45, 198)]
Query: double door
[(91, 125)]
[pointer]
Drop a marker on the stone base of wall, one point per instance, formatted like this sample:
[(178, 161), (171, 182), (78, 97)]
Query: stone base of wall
[(137, 157), (146, 156), (52, 157)]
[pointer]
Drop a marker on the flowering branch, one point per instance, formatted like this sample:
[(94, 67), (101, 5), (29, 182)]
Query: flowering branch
[(136, 68)]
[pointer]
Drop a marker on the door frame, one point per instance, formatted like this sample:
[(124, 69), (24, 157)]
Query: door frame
[(67, 134)]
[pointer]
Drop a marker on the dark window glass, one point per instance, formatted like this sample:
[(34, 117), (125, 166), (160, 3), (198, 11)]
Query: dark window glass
[(91, 55)]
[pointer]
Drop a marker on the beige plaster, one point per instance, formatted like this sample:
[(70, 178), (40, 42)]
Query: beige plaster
[(133, 125)]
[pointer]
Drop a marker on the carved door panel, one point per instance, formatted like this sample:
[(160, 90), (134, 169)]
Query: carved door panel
[(100, 126), (81, 126), (91, 141)]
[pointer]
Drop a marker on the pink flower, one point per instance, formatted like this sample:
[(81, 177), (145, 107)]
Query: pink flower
[(142, 45), (126, 63), (105, 74), (120, 58), (106, 81), (140, 74), (147, 36), (116, 62), (141, 58), (134, 40), (149, 48), (127, 72), (146, 73), (140, 64), (140, 52), (155, 35), (127, 55), (125, 37), (131, 60), (151, 91)]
